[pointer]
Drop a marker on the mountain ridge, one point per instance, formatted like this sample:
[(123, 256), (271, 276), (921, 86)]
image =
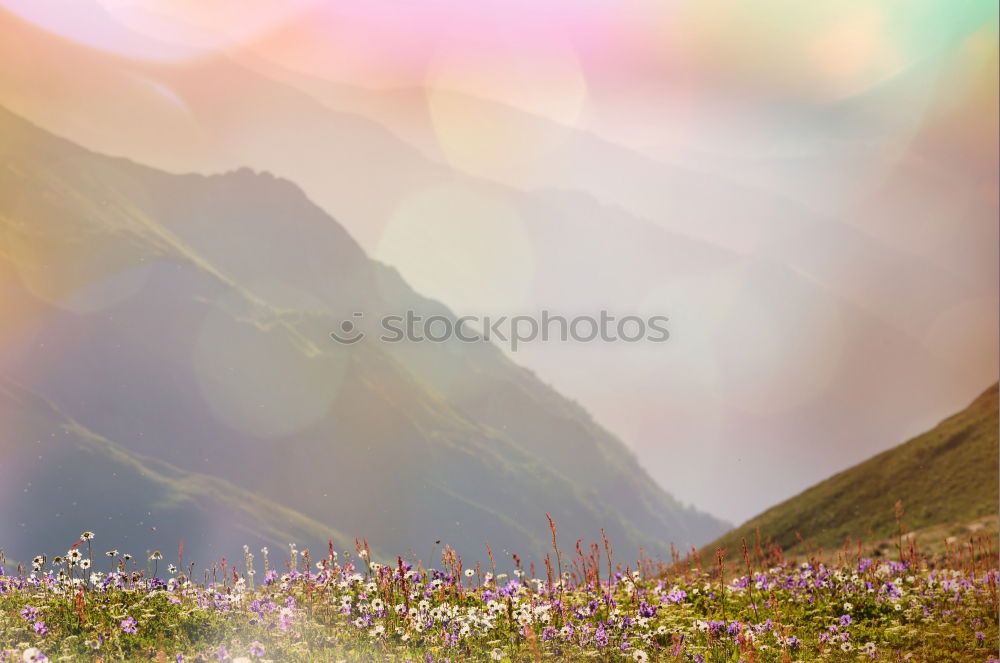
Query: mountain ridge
[(241, 356)]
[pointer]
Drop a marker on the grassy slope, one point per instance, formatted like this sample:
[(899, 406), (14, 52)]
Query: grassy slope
[(948, 474), (39, 444)]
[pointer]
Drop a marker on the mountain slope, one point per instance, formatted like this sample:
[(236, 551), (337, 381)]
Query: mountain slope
[(60, 478), (865, 298), (188, 319), (945, 475)]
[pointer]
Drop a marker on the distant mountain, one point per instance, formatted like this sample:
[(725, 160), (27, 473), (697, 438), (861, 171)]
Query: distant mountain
[(60, 478), (187, 318), (947, 475), (791, 316)]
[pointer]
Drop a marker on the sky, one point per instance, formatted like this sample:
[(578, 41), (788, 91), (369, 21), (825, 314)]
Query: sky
[(808, 190)]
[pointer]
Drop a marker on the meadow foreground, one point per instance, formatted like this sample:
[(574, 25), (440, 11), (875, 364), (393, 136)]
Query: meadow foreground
[(345, 607)]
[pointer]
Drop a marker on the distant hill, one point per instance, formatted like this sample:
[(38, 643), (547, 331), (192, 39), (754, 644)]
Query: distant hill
[(947, 475), (187, 318)]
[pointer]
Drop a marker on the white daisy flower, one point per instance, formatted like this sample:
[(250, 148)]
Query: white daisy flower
[(32, 654)]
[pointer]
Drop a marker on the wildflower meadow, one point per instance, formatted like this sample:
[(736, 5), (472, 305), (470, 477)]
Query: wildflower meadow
[(90, 604)]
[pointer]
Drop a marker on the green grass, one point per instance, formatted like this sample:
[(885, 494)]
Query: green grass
[(947, 476), (345, 611)]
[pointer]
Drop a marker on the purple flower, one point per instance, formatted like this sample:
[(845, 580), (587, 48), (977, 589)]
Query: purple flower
[(129, 625), (601, 637), (676, 596), (256, 649), (980, 636), (29, 613), (40, 628)]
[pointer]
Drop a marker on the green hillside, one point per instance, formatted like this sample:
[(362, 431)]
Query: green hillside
[(62, 478), (947, 475)]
